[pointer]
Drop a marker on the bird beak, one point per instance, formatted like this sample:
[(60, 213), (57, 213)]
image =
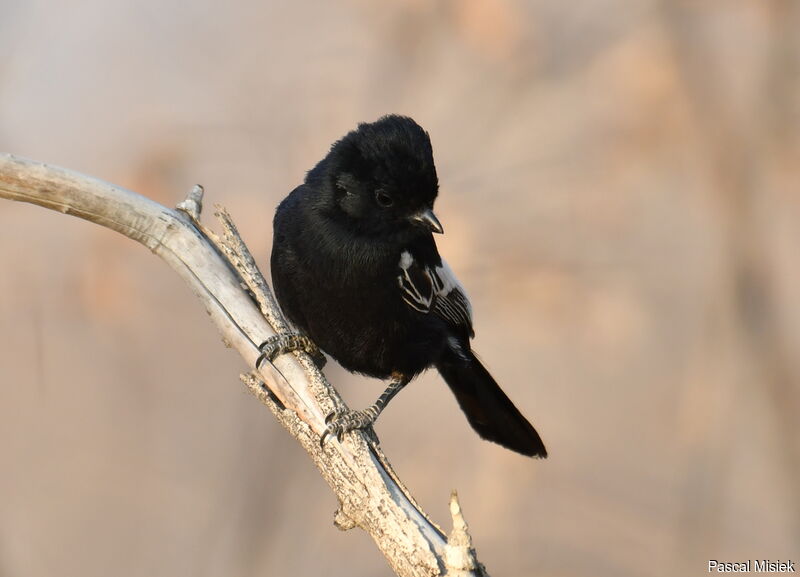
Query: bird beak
[(427, 219)]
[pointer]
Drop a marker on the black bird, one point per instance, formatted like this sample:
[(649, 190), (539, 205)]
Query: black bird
[(355, 266)]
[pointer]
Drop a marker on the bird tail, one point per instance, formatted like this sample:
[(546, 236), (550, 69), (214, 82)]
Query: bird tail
[(490, 412)]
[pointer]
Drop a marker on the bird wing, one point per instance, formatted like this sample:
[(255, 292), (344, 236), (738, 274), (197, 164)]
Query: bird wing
[(435, 289)]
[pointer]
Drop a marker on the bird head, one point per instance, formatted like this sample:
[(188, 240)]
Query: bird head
[(381, 179)]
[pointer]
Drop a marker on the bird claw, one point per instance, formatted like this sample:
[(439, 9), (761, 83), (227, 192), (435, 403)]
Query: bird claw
[(324, 438), (343, 421), (286, 342)]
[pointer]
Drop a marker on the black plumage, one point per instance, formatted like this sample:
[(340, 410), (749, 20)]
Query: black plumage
[(355, 266)]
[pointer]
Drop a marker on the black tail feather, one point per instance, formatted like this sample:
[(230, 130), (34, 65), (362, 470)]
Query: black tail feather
[(490, 412)]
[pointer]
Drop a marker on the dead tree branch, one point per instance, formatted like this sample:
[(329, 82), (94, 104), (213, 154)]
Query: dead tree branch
[(369, 493)]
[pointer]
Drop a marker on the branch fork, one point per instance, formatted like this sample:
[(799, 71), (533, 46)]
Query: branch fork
[(226, 279)]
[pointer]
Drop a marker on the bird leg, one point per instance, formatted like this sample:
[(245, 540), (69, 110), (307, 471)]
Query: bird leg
[(341, 422), (288, 342)]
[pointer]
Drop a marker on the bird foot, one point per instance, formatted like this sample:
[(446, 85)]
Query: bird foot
[(284, 343), (343, 421)]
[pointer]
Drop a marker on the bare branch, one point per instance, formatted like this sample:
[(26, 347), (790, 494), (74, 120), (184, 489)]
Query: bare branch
[(459, 554), (369, 492)]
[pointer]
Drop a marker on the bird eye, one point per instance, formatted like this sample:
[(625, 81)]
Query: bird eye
[(383, 199)]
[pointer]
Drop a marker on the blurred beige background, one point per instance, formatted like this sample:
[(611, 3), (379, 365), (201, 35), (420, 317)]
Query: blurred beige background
[(620, 185)]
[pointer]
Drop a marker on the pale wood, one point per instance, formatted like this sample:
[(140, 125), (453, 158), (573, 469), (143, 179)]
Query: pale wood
[(369, 492)]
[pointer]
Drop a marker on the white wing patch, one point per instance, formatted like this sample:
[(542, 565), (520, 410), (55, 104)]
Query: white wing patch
[(411, 294), (436, 290)]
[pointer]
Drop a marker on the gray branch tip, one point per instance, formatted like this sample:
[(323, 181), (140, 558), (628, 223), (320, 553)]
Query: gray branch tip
[(192, 205)]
